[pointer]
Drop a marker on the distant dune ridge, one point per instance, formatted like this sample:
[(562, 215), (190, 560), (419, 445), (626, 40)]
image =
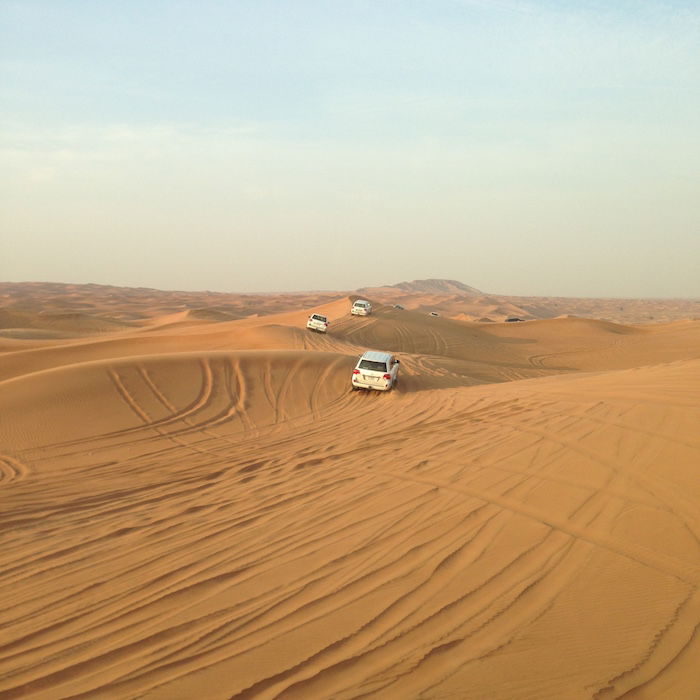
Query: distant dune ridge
[(195, 504), (27, 304), (436, 286)]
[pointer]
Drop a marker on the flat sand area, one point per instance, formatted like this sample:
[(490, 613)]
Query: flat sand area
[(194, 504)]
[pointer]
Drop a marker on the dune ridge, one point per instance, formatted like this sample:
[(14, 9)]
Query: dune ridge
[(22, 302), (196, 504)]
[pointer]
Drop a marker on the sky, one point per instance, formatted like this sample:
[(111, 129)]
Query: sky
[(534, 147)]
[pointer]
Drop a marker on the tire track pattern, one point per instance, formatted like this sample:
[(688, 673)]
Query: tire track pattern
[(272, 536)]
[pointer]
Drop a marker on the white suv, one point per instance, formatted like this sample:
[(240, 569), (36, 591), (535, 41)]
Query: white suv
[(317, 322), (375, 370), (361, 308)]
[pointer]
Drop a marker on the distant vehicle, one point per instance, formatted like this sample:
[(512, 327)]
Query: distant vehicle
[(361, 308), (317, 322), (399, 307), (433, 313), (514, 320), (375, 370)]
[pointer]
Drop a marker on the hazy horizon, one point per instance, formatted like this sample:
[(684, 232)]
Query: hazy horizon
[(523, 148), (339, 290)]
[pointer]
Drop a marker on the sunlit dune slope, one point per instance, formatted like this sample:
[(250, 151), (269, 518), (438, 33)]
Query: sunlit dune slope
[(144, 393), (202, 508), (189, 317)]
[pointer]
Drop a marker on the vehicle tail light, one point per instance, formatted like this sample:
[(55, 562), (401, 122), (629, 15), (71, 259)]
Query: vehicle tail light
[(356, 371), (387, 376)]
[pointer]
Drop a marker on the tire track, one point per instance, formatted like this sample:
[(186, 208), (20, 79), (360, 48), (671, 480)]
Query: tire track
[(11, 469), (199, 402), (128, 398), (686, 572)]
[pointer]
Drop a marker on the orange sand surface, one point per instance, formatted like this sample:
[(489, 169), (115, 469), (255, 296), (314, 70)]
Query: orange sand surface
[(194, 504)]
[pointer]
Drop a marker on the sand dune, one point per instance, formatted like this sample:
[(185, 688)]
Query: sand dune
[(196, 505), (429, 287), (21, 302)]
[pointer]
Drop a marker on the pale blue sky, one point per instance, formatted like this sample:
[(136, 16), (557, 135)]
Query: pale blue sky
[(533, 147)]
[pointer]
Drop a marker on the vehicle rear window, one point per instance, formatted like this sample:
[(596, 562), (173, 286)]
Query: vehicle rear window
[(375, 366), (361, 304), (316, 317)]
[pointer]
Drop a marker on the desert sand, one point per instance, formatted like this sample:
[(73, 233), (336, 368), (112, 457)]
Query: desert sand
[(195, 504)]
